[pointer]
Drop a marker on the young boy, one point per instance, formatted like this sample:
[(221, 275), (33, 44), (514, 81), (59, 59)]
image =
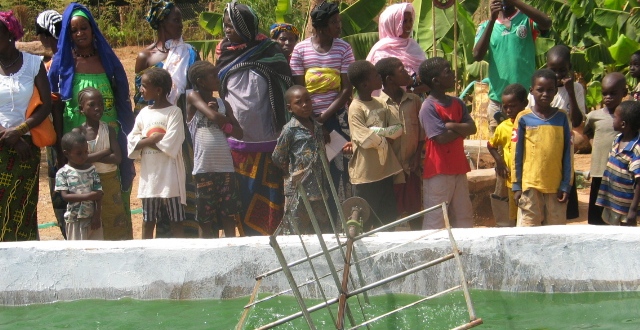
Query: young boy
[(599, 127), (570, 97), (446, 122), (373, 164), (404, 108), (514, 100), (298, 152), (542, 170), (620, 189), (634, 71), (79, 184)]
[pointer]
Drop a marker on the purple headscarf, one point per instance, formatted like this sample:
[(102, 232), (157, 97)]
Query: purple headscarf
[(12, 24)]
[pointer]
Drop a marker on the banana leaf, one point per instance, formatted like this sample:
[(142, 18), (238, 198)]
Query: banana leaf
[(594, 94), (361, 43), (359, 17), (284, 13), (423, 24), (204, 47), (608, 17), (211, 22), (623, 48)]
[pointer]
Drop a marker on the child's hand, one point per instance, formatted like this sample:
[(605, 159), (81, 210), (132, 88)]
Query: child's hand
[(516, 196), (502, 170), (157, 137), (631, 219), (567, 82), (347, 149), (326, 135), (96, 223), (95, 195), (562, 196)]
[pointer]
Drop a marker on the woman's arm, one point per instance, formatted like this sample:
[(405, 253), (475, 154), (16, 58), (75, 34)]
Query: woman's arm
[(13, 134), (343, 97)]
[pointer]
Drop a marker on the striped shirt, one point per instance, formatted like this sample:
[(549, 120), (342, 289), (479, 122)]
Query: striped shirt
[(305, 57), (211, 152), (618, 181)]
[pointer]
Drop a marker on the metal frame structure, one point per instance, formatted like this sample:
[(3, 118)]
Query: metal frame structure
[(358, 211)]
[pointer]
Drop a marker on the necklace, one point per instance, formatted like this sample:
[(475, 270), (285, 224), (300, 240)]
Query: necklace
[(75, 52), (6, 66), (164, 50)]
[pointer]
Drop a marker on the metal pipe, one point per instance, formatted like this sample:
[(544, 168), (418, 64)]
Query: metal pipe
[(298, 314), (400, 275), (292, 282), (456, 253), (369, 233), (406, 306)]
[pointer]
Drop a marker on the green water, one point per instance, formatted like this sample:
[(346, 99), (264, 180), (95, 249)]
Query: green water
[(499, 310)]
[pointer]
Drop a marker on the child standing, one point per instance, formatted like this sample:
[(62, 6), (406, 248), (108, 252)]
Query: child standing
[(79, 184), (404, 108), (599, 127), (105, 155), (446, 122), (298, 152), (210, 120), (542, 171), (157, 138), (620, 189), (634, 71), (373, 164), (514, 100), (570, 97)]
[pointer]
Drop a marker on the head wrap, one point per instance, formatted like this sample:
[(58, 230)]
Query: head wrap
[(62, 73), (278, 28), (320, 14), (390, 43), (80, 13), (159, 11), (260, 55), (243, 19), (12, 24), (50, 20)]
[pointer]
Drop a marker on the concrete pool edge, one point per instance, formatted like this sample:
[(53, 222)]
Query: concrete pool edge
[(543, 259)]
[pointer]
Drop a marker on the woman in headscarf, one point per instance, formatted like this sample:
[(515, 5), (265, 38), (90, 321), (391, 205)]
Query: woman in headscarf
[(320, 63), (171, 53), (254, 76), (85, 59), (48, 27), (395, 27), (23, 87), (286, 35)]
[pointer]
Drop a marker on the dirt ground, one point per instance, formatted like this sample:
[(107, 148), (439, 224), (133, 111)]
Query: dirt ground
[(128, 57)]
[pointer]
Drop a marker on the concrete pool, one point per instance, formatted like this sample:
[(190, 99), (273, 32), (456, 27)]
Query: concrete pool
[(543, 259)]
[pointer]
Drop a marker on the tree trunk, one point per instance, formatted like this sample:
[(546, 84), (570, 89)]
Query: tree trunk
[(308, 31)]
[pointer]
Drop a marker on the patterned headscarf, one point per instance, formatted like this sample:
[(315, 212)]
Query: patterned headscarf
[(158, 12), (243, 19), (278, 28), (12, 24), (320, 14), (51, 21)]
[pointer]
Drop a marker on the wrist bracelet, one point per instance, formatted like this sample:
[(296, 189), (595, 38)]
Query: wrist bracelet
[(23, 128), (227, 128)]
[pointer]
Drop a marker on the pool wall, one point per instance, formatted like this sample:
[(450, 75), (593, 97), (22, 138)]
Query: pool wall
[(543, 259)]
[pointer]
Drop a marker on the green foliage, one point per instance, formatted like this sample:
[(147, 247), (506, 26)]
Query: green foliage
[(361, 43), (358, 18)]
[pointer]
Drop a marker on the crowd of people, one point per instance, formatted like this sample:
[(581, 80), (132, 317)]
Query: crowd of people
[(241, 144)]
